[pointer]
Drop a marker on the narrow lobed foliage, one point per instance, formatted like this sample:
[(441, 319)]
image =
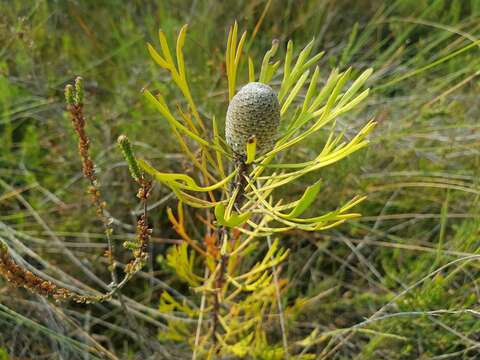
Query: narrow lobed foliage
[(238, 298)]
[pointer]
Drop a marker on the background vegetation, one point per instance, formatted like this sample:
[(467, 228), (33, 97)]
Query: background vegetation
[(412, 256)]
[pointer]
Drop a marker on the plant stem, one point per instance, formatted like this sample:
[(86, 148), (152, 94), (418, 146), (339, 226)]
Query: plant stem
[(279, 304)]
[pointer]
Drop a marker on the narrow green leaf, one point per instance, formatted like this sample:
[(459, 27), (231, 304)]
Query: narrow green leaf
[(220, 213), (251, 70), (266, 61), (294, 92), (181, 181), (179, 48), (234, 220), (157, 57), (238, 219), (251, 149), (305, 201), (165, 48), (159, 104), (355, 86)]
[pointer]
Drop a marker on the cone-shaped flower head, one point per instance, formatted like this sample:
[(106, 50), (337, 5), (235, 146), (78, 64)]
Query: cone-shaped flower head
[(254, 110)]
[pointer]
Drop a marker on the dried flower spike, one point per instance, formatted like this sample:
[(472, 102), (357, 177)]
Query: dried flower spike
[(253, 111)]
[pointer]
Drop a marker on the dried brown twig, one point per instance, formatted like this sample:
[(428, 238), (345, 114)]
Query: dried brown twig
[(20, 277), (74, 98)]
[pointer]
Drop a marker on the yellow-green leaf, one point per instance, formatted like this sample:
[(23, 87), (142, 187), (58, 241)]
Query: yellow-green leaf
[(305, 201), (181, 181), (233, 220), (251, 149), (160, 105)]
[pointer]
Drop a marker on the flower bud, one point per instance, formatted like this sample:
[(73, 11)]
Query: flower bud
[(78, 90), (254, 110), (129, 157), (69, 97)]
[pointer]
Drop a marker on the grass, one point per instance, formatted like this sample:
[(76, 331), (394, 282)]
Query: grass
[(399, 283)]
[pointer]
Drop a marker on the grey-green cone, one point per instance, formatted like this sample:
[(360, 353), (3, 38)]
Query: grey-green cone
[(254, 110)]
